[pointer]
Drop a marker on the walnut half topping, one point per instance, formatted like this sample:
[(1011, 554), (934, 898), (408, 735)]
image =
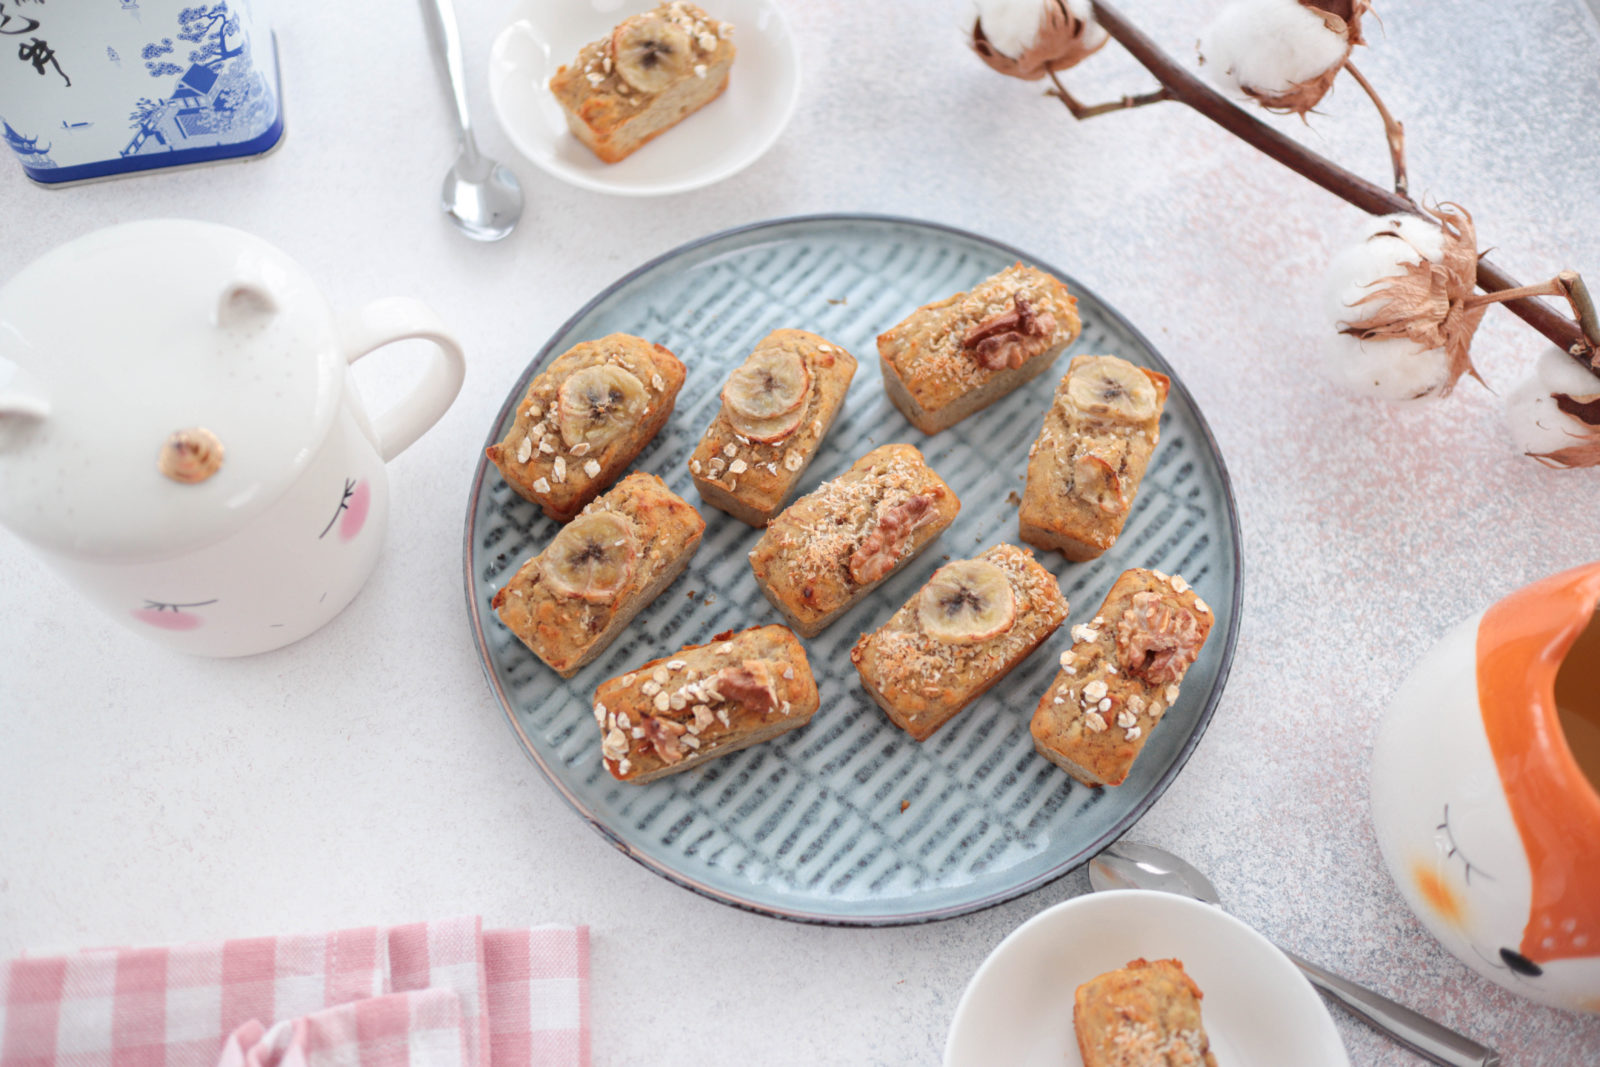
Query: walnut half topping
[(663, 735), (1010, 338), (749, 685), (1157, 641), (880, 551)]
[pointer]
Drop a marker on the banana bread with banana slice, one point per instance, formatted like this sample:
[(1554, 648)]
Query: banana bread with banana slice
[(704, 701), (1089, 458), (572, 600), (1120, 676), (654, 70), (957, 356), (973, 622), (841, 541), (1144, 1015), (776, 408), (584, 418)]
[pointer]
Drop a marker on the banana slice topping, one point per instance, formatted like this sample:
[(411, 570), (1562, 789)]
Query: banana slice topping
[(771, 382), (650, 52), (967, 601), (592, 557), (597, 404), (1112, 388)]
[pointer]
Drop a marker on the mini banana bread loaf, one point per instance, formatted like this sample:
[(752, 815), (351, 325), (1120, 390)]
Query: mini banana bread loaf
[(1145, 1015), (653, 71), (973, 622), (839, 542), (585, 418), (1120, 676), (776, 408), (961, 354), (1088, 460), (571, 600), (704, 701)]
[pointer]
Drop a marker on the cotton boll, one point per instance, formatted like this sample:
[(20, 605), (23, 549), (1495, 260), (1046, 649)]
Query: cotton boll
[(1012, 26), (1395, 298), (1029, 38), (1279, 52), (1539, 427)]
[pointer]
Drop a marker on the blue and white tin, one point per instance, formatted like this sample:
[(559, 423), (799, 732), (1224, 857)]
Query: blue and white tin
[(95, 88)]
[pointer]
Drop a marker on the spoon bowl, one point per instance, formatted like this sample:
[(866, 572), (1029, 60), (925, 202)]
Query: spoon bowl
[(483, 198)]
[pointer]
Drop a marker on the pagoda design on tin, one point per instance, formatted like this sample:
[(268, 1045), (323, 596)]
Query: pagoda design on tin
[(218, 96), (27, 147)]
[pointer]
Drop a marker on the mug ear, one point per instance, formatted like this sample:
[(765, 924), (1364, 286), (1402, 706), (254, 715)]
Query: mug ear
[(244, 303), (14, 403)]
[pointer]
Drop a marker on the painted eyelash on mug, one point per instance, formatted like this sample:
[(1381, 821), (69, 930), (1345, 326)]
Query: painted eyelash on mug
[(344, 503), (1455, 849), (161, 605)]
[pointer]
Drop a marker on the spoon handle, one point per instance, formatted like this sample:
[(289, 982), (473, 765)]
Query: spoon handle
[(1417, 1032), (443, 16)]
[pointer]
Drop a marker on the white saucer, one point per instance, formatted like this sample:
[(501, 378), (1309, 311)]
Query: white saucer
[(1257, 1007), (716, 142)]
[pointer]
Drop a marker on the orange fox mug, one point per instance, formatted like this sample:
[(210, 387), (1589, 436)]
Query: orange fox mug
[(1486, 790)]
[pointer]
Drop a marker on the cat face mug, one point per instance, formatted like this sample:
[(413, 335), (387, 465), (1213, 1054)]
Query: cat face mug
[(180, 440)]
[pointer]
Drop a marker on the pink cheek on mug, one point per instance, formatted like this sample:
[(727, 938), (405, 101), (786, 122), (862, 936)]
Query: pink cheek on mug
[(355, 513), (167, 620)]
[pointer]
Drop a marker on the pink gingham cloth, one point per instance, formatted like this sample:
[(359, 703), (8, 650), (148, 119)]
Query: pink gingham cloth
[(437, 994)]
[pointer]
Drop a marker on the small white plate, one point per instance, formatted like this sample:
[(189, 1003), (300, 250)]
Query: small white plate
[(1259, 1011), (714, 143)]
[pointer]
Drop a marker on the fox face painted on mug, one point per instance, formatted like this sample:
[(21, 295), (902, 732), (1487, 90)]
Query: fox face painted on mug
[(1485, 792)]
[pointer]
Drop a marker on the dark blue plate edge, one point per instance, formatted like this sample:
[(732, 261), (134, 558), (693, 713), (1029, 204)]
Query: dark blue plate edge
[(1071, 863)]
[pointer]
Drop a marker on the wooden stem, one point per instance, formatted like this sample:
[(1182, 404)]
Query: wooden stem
[(1393, 129), (1189, 90), (1089, 111)]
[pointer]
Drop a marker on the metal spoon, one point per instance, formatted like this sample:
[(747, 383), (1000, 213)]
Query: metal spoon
[(482, 197), (1130, 865)]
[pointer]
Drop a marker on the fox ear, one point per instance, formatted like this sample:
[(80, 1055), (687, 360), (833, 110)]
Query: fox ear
[(244, 303), (16, 403)]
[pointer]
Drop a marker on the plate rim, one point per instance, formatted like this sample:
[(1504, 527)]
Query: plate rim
[(1001, 896), (598, 184), (1160, 899)]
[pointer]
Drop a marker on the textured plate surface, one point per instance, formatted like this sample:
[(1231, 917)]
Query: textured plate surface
[(848, 820)]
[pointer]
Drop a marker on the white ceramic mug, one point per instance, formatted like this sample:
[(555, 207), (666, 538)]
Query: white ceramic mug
[(262, 519)]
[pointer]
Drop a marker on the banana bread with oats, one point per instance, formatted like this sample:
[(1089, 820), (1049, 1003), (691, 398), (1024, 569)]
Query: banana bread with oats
[(1120, 676), (568, 603), (776, 408), (1090, 456), (584, 418), (957, 356), (967, 628), (836, 544), (654, 70), (1144, 1015), (704, 701)]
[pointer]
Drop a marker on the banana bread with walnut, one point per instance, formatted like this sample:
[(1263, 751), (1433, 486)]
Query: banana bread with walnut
[(957, 356), (704, 701), (776, 408), (836, 544), (1120, 676), (968, 627), (1090, 456), (572, 600)]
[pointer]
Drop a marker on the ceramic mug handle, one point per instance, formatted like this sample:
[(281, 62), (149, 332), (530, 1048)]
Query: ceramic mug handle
[(383, 322)]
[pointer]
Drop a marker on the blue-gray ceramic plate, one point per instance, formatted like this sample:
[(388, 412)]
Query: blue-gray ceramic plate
[(848, 820)]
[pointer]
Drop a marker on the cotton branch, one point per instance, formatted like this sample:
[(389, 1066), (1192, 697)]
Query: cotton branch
[(1581, 342)]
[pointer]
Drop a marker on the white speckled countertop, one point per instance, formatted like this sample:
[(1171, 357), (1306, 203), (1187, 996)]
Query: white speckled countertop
[(366, 775)]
